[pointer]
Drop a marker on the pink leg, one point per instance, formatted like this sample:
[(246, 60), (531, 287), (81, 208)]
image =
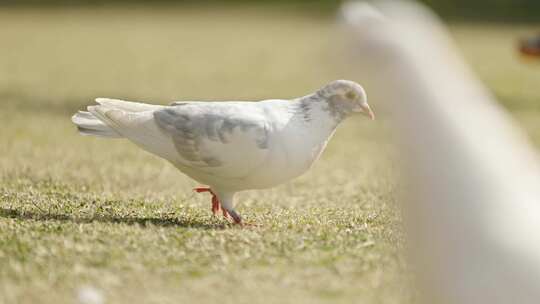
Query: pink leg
[(215, 201), (216, 205)]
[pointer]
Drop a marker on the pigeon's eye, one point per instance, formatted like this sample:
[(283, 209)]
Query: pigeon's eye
[(350, 95)]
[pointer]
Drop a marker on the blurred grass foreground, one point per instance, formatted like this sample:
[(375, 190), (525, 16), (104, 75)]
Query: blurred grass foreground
[(83, 218)]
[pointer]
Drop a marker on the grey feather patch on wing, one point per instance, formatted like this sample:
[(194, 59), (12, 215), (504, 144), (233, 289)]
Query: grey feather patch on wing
[(304, 109), (228, 125), (178, 126), (189, 132)]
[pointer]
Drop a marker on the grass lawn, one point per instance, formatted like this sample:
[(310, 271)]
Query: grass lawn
[(82, 213)]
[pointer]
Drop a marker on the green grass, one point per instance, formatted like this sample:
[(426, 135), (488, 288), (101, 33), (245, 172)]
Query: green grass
[(78, 211)]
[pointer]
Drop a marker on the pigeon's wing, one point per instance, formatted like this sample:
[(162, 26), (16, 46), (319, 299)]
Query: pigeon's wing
[(226, 140)]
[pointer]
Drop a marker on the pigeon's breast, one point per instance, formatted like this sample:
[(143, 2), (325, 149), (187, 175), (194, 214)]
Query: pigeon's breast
[(293, 152)]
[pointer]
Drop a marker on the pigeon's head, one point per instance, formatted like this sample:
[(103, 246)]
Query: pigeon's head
[(347, 96)]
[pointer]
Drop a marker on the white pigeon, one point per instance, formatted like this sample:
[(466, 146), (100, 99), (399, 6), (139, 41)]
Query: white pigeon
[(231, 146)]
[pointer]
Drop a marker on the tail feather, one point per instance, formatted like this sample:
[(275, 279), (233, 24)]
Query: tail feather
[(88, 124), (135, 122), (96, 122)]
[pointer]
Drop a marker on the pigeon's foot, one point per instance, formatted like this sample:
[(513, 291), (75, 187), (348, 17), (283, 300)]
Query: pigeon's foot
[(235, 216), (216, 206)]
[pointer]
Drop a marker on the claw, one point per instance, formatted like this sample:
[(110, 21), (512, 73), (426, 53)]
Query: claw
[(236, 218)]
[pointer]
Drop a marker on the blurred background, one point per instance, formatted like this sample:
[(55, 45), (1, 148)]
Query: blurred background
[(503, 10), (84, 219)]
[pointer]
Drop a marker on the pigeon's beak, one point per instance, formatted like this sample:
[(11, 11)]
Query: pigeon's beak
[(366, 110)]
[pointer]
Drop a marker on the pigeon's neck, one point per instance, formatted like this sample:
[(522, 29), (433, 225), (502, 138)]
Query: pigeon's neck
[(317, 110)]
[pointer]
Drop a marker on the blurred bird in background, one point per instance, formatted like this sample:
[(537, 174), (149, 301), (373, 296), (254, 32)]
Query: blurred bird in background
[(530, 47)]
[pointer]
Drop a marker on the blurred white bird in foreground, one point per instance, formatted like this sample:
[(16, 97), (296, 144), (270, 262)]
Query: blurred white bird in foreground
[(231, 146), (472, 179)]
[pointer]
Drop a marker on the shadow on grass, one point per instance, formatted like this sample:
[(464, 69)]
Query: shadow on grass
[(141, 221)]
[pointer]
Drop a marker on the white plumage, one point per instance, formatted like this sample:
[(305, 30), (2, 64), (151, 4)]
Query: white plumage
[(231, 146)]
